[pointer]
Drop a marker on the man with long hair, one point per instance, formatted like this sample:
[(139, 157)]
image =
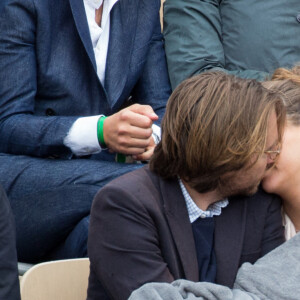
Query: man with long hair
[(197, 212)]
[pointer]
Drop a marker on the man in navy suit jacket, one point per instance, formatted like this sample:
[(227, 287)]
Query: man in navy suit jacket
[(65, 65), (194, 214)]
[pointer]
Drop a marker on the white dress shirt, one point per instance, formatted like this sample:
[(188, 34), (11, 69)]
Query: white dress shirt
[(82, 138), (99, 34)]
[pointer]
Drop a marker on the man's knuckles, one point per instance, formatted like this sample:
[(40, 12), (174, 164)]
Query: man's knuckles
[(123, 129)]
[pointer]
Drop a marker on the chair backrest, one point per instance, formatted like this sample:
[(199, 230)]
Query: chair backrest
[(56, 280)]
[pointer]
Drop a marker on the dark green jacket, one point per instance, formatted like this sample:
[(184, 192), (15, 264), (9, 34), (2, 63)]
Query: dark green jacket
[(248, 38)]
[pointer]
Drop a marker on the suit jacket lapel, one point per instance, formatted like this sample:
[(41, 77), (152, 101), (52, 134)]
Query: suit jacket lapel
[(80, 19), (177, 216), (229, 236), (122, 26)]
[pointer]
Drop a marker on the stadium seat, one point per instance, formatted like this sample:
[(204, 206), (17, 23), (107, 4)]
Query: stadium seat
[(59, 280)]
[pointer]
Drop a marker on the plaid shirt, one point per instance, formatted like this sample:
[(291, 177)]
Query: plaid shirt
[(195, 212)]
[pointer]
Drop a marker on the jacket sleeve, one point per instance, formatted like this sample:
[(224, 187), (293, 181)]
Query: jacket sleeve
[(21, 132), (9, 283), (153, 87), (123, 243), (193, 35)]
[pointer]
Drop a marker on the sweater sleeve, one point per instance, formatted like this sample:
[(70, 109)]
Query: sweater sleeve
[(193, 37)]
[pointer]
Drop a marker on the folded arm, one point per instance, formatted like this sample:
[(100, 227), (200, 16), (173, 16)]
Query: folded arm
[(22, 129), (193, 35), (22, 132)]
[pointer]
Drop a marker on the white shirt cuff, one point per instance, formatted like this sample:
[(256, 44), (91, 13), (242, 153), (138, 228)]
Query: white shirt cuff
[(156, 133), (82, 138)]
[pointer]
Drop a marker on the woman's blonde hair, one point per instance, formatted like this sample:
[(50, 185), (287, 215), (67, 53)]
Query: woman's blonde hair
[(214, 123), (287, 82)]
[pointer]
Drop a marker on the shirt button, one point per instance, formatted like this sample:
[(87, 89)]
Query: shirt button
[(298, 18), (203, 216)]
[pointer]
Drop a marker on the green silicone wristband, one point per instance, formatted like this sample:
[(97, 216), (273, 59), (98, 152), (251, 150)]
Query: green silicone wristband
[(121, 158), (100, 132)]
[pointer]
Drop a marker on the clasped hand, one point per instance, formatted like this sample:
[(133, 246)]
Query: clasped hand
[(129, 131)]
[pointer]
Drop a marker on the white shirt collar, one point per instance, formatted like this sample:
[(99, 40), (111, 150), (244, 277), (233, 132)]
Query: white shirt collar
[(195, 212)]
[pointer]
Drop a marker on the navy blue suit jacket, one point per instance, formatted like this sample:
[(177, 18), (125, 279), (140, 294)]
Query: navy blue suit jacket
[(48, 71)]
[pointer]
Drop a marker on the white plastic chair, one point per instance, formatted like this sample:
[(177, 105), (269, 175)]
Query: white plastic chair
[(56, 280)]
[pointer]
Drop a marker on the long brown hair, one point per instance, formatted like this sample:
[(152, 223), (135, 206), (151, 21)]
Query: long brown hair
[(213, 124), (287, 82)]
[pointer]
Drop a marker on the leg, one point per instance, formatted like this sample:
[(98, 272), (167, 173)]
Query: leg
[(9, 282), (49, 197), (75, 245)]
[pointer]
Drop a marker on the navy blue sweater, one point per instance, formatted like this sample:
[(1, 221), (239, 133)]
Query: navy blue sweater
[(203, 230)]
